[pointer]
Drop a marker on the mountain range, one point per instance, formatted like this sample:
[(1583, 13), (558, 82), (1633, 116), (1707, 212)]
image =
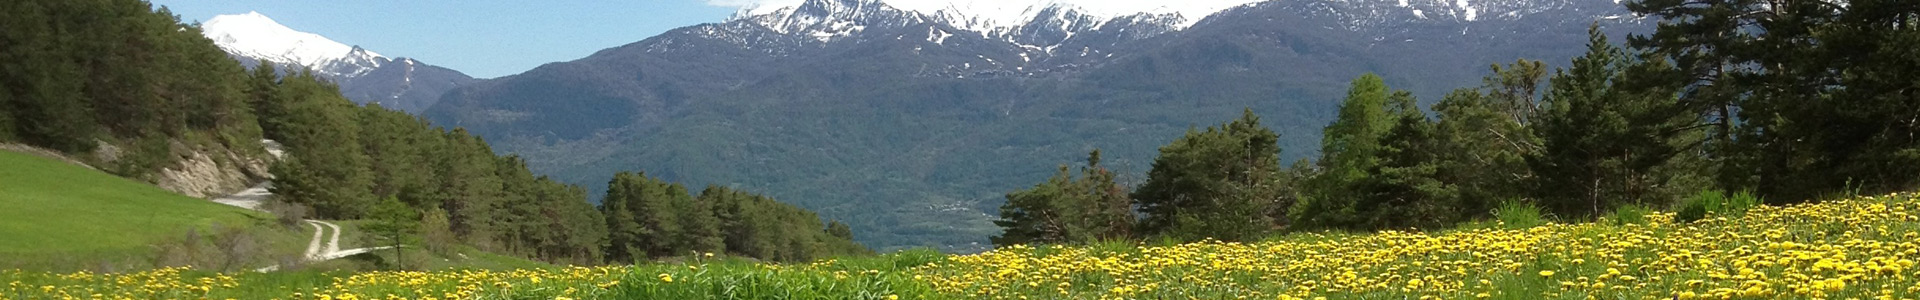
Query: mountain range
[(910, 119), (402, 84)]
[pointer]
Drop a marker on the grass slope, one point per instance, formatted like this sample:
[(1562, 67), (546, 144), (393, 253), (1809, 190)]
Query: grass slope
[(55, 208)]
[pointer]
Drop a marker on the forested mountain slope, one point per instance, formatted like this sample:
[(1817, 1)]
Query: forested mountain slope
[(911, 126)]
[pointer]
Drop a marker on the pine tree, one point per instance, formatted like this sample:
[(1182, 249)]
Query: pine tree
[(394, 223), (1802, 95), (1482, 142), (47, 105), (1220, 183), (1108, 209), (397, 147), (660, 210), (1603, 144), (701, 226), (470, 189), (520, 222), (585, 227), (1404, 190), (1033, 215), (623, 227), (318, 126), (645, 218)]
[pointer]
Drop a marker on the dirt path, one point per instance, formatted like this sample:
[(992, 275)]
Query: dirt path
[(313, 246), (333, 244), (325, 244)]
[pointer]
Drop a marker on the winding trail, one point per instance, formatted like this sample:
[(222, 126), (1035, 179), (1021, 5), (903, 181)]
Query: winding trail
[(314, 245), (325, 244)]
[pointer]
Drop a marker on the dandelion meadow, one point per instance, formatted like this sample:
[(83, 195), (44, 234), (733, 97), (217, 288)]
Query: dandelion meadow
[(1862, 248)]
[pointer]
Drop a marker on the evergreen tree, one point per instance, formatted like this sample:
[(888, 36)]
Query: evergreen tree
[(394, 224), (623, 227), (585, 227), (1482, 142), (45, 99), (648, 222), (398, 148), (701, 227), (1603, 143), (839, 230), (1067, 210), (319, 124), (520, 223), (1219, 183), (1108, 207), (1404, 189), (262, 89), (470, 189), (1803, 95), (1034, 215)]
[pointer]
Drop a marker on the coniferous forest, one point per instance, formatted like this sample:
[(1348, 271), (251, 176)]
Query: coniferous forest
[(80, 76)]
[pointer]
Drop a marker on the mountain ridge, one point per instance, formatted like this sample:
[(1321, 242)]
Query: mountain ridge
[(364, 76)]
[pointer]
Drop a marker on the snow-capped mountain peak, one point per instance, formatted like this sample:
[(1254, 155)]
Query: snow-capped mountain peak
[(991, 17), (256, 36), (829, 19)]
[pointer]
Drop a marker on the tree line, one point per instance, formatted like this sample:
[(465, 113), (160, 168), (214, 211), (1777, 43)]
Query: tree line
[(82, 74), (651, 218), (1790, 101)]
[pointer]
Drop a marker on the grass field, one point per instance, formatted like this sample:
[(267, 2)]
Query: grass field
[(54, 215), (1862, 248)]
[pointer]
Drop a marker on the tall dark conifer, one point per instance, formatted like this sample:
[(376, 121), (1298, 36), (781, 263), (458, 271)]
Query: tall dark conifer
[(1219, 183)]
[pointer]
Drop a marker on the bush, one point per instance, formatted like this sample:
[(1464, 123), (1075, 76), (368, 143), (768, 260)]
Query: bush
[(1715, 202), (1629, 214), (219, 248), (289, 215), (1516, 214)]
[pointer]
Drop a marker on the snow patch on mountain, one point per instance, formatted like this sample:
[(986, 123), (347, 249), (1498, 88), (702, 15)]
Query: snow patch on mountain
[(989, 16), (256, 36)]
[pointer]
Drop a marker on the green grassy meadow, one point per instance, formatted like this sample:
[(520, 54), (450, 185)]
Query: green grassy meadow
[(1859, 248), (66, 213)]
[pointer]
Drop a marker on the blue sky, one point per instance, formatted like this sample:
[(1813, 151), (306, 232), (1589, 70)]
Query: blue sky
[(483, 38)]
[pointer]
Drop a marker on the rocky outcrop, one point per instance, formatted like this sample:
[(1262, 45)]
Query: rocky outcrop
[(207, 173)]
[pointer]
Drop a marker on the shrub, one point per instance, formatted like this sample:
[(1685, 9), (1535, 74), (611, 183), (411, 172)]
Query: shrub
[(1629, 214), (1518, 214), (289, 215), (1738, 205), (1716, 202), (217, 248)]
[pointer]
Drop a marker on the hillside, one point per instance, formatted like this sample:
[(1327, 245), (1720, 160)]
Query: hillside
[(67, 214)]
